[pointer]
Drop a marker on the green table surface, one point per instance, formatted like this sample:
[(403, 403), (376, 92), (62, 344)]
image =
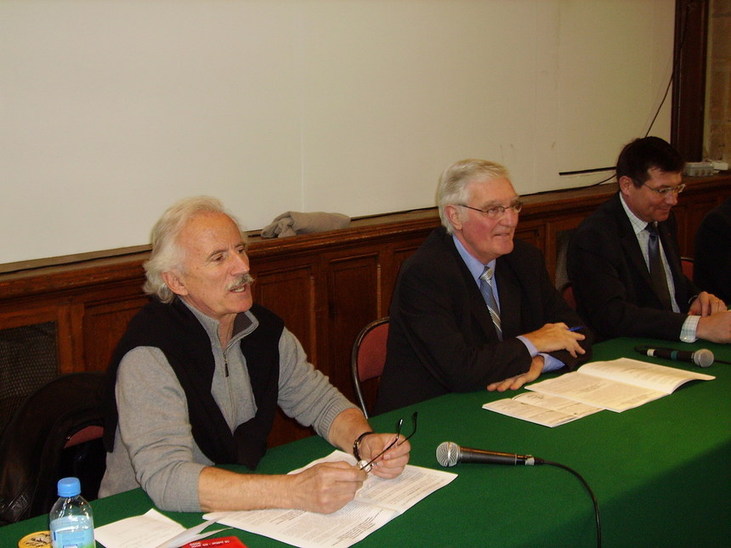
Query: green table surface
[(660, 472)]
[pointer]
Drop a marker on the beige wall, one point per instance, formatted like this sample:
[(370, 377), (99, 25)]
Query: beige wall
[(112, 109)]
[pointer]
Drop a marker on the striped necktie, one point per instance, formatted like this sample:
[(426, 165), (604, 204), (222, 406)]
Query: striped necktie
[(657, 270), (487, 293)]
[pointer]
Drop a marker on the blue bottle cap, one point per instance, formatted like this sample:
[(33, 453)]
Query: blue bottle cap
[(69, 487)]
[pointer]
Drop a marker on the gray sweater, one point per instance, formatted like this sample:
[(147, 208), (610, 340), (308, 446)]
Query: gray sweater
[(154, 447)]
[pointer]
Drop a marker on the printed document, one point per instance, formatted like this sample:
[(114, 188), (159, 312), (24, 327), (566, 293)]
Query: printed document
[(616, 385), (542, 409), (377, 503), (619, 384)]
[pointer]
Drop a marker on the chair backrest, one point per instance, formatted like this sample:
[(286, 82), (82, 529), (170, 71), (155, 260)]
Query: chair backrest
[(686, 263), (55, 433), (368, 357), (567, 292)]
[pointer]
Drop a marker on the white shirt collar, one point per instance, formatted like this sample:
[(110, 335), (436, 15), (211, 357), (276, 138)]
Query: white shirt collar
[(637, 224), (475, 267)]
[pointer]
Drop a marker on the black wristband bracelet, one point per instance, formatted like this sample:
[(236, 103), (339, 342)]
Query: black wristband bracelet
[(356, 444)]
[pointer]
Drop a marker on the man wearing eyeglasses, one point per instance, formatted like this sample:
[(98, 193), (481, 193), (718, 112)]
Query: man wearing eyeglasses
[(197, 378), (624, 259), (474, 309)]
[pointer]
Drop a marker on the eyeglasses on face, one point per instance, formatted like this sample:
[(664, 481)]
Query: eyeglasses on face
[(396, 441), (495, 212), (665, 190)]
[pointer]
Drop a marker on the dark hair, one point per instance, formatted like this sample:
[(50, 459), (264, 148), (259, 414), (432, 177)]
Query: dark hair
[(643, 154)]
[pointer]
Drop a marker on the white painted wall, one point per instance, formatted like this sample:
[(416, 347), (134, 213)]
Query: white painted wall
[(112, 109)]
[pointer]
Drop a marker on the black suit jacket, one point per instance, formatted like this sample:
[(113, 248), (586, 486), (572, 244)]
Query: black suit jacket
[(712, 270), (441, 336), (611, 282)]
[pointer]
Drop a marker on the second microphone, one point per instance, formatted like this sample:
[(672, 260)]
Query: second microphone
[(449, 454)]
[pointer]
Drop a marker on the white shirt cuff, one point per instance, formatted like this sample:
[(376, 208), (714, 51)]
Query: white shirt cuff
[(688, 331)]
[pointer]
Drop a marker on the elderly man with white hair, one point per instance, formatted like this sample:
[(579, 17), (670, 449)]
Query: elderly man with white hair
[(197, 377), (474, 308)]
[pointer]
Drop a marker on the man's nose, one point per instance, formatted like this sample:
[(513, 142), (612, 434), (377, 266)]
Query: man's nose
[(241, 263), (510, 217)]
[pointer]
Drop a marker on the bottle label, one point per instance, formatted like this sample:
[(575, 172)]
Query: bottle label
[(72, 532)]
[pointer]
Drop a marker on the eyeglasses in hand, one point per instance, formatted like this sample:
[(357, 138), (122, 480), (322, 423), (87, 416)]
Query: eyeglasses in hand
[(369, 465)]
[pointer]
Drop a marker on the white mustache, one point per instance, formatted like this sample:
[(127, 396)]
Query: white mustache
[(241, 281)]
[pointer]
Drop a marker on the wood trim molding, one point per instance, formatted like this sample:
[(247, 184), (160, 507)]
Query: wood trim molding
[(689, 85), (120, 268)]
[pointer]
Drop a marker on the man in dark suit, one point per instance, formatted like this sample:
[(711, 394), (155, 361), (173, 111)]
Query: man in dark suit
[(712, 270), (473, 309), (624, 259)]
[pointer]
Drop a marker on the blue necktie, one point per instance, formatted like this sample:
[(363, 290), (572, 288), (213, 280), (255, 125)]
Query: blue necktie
[(657, 270), (487, 294)]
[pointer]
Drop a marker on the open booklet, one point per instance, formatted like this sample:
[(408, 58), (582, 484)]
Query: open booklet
[(616, 385), (376, 503)]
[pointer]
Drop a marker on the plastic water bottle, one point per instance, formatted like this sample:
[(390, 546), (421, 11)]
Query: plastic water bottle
[(71, 520)]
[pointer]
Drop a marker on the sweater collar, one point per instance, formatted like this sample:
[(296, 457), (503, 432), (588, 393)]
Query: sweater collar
[(244, 323)]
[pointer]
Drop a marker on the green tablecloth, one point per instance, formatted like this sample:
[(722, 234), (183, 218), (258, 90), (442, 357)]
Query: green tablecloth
[(660, 473)]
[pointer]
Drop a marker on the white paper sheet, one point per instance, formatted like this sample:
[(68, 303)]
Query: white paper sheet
[(542, 409), (377, 503), (151, 529)]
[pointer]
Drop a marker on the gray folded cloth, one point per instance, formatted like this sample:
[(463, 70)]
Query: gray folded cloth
[(292, 223)]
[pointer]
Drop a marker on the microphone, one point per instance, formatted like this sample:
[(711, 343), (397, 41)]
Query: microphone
[(702, 357), (449, 454)]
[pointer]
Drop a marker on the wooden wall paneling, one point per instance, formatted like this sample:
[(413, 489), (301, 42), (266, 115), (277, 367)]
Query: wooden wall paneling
[(104, 323), (43, 281), (353, 296), (558, 234), (533, 232), (71, 337), (393, 257), (30, 353), (18, 316), (288, 289)]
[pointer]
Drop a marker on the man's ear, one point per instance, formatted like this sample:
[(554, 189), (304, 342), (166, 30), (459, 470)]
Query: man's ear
[(454, 215), (174, 283), (625, 183)]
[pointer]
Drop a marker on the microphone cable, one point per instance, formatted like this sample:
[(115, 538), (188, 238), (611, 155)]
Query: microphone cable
[(597, 517)]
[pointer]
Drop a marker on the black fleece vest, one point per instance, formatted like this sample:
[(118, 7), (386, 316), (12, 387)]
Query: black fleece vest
[(175, 330)]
